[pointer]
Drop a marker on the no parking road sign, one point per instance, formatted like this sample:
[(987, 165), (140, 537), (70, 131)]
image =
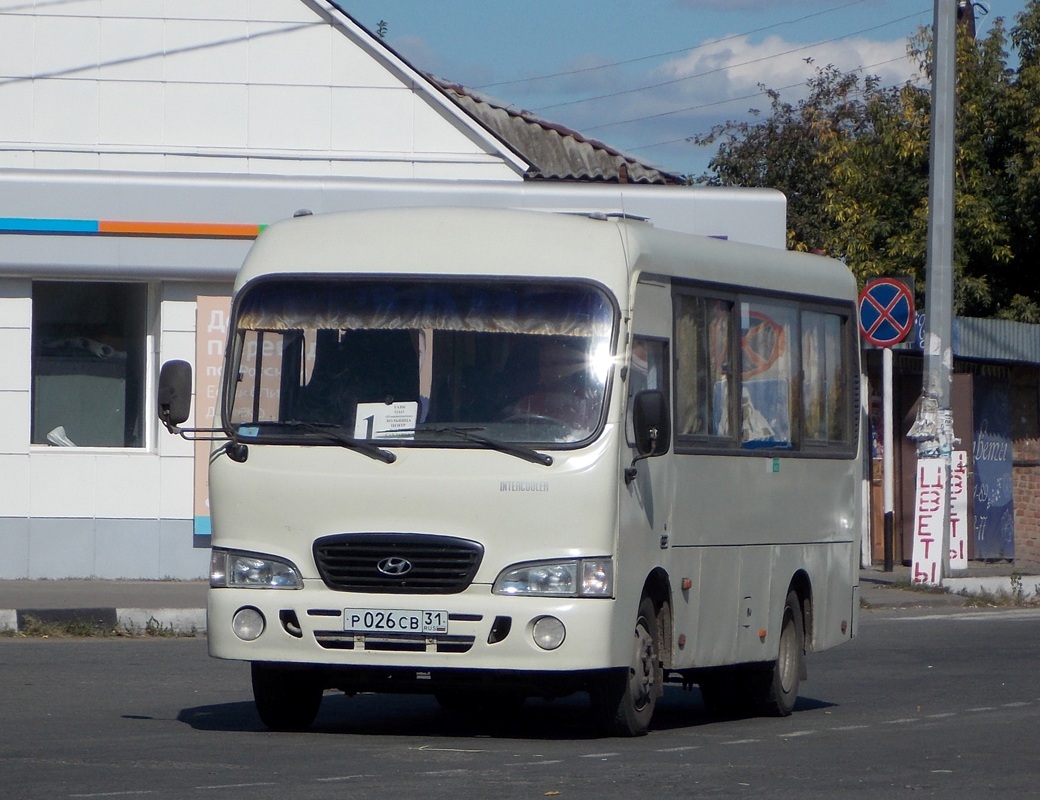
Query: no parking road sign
[(886, 311)]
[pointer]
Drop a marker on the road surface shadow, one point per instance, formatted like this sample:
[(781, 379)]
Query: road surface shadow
[(420, 715)]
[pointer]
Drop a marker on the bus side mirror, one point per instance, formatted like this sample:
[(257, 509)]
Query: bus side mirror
[(650, 422), (174, 396)]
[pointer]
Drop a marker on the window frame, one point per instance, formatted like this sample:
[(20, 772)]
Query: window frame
[(236, 342), (665, 378), (141, 384), (848, 351), (800, 447), (706, 440)]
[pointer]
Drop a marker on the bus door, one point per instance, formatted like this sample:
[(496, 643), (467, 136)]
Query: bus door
[(648, 499)]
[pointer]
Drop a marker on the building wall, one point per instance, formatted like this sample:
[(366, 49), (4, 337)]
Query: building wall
[(90, 511), (1027, 516), (1023, 382), (197, 112), (219, 86), (123, 119), (1025, 430)]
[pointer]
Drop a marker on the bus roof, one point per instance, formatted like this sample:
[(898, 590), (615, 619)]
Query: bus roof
[(497, 242)]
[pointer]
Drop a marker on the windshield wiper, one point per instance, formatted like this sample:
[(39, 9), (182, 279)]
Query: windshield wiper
[(332, 432), (470, 435)]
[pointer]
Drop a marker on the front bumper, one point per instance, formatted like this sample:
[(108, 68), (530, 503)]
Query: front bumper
[(485, 632)]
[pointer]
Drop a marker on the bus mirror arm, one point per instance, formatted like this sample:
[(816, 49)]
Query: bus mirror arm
[(651, 427), (631, 472)]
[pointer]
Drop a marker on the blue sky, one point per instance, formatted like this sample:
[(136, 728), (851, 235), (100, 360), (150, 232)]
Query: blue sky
[(643, 76)]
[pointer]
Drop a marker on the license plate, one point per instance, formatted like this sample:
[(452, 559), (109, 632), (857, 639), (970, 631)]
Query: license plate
[(385, 620)]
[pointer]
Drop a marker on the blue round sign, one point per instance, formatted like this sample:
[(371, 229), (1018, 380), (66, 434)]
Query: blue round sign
[(886, 311)]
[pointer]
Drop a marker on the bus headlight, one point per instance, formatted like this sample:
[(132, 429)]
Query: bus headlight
[(251, 571), (584, 577)]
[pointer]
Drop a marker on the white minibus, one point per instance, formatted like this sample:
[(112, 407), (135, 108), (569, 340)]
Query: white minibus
[(491, 455)]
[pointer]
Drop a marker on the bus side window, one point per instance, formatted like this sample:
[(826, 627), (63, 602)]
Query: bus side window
[(824, 378), (648, 369), (704, 338), (768, 370)]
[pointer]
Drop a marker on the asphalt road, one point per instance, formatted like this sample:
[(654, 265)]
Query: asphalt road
[(936, 703)]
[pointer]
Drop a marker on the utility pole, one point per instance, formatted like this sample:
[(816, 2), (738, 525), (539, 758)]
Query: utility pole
[(933, 428)]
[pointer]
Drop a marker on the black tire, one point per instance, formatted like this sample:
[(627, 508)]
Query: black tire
[(780, 682), (287, 699), (623, 701)]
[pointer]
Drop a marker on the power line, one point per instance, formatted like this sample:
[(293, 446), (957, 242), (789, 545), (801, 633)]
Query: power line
[(723, 69), (719, 103), (670, 52), (586, 128)]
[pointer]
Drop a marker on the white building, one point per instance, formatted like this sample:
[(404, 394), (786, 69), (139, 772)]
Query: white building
[(142, 146)]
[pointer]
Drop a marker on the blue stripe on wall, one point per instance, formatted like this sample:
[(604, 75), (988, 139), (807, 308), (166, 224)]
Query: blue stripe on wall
[(24, 225)]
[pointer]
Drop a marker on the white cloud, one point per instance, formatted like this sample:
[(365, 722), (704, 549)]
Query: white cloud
[(742, 5), (735, 67), (681, 96), (719, 81)]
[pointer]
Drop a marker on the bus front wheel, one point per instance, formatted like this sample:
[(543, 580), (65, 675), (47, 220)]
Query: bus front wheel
[(286, 699), (623, 702)]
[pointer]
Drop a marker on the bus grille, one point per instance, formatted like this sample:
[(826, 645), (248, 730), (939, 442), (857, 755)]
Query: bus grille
[(391, 643), (399, 563)]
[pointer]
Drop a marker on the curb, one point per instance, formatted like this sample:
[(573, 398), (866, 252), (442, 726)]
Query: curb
[(177, 620), (1027, 587), (166, 620)]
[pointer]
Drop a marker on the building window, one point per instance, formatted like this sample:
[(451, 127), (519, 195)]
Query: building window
[(88, 363)]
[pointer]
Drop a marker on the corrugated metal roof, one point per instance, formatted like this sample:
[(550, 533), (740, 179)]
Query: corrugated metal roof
[(997, 340), (554, 151)]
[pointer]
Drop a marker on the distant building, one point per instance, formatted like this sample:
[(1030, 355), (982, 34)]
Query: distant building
[(141, 150), (995, 401)]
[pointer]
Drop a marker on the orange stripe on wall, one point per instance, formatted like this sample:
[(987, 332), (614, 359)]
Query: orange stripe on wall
[(214, 229)]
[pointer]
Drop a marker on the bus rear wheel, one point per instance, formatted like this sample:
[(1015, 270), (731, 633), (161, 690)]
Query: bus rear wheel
[(770, 689), (778, 690), (623, 701), (286, 699)]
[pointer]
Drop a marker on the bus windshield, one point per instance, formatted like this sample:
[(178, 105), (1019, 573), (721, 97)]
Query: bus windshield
[(420, 361)]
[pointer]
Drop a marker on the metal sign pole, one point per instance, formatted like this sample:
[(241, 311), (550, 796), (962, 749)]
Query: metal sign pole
[(887, 456)]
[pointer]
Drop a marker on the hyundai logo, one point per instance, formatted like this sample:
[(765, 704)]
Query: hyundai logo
[(394, 566)]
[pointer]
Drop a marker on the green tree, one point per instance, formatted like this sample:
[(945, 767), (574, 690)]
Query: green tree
[(852, 158), (1022, 125)]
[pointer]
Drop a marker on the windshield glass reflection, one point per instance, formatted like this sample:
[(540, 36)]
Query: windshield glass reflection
[(404, 360)]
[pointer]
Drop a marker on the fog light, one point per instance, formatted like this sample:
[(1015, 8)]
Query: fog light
[(548, 632), (248, 624)]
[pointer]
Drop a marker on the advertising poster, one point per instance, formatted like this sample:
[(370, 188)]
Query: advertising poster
[(959, 510), (929, 519), (992, 462), (210, 338)]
